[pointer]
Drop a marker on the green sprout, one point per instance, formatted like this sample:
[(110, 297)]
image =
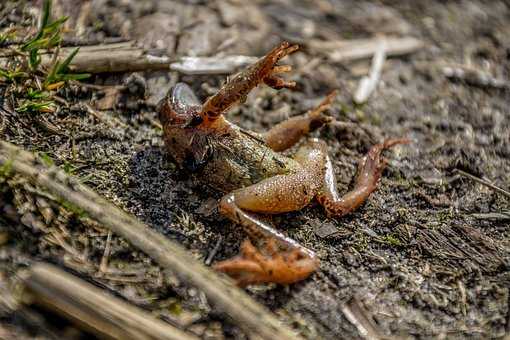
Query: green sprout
[(46, 159), (59, 73), (49, 35), (12, 75), (26, 65)]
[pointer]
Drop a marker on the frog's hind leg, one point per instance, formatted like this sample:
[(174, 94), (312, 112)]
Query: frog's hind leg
[(239, 205), (278, 194), (287, 133), (268, 263), (237, 88), (369, 172)]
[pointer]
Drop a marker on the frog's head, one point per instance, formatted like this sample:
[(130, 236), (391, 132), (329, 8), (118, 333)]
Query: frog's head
[(180, 108), (179, 113)]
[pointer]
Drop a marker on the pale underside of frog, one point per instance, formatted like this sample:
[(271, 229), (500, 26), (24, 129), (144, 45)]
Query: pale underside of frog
[(255, 176)]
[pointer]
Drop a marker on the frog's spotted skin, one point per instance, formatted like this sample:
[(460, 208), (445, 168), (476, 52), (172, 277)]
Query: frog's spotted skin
[(256, 177)]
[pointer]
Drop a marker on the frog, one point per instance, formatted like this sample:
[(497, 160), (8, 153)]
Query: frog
[(256, 176)]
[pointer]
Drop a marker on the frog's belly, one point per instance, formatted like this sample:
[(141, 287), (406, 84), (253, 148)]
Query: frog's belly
[(242, 162)]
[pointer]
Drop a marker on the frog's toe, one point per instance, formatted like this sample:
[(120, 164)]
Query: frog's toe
[(243, 271), (254, 267), (278, 83), (293, 266), (269, 69)]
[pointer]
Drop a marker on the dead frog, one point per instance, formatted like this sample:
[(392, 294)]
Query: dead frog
[(256, 178)]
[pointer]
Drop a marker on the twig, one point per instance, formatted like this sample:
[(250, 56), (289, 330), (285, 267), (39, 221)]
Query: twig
[(121, 57), (347, 50), (127, 57), (496, 216), (105, 118), (247, 313), (117, 57), (93, 309), (58, 239), (484, 182), (463, 298), (474, 77), (211, 65), (361, 320), (213, 252), (106, 255), (368, 84)]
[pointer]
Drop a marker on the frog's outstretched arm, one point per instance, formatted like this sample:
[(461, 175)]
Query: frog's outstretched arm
[(236, 89)]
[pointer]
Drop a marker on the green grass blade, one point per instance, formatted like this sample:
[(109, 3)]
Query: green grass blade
[(45, 17), (64, 66)]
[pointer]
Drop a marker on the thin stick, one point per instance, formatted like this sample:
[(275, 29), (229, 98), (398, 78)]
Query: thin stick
[(497, 216), (106, 255), (474, 77), (127, 57), (121, 57), (214, 251), (355, 49), (248, 314), (484, 182), (369, 83), (361, 319), (211, 65), (92, 308)]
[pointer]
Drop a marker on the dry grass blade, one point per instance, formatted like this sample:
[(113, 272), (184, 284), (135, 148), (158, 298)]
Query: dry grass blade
[(496, 216), (484, 182), (361, 319)]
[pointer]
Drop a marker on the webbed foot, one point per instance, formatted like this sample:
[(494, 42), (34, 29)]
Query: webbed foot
[(253, 266)]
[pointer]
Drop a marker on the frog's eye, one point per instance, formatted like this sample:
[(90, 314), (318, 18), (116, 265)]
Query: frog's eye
[(183, 100), (180, 107)]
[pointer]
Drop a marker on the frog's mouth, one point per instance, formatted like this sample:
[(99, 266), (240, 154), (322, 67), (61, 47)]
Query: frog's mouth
[(180, 107)]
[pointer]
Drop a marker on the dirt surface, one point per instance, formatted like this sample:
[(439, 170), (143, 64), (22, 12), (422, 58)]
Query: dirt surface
[(416, 258)]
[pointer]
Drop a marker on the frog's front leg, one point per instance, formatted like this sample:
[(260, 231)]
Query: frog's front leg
[(278, 194), (237, 88), (287, 133)]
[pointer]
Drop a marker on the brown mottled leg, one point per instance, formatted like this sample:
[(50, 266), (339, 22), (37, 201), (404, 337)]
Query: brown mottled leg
[(278, 194), (287, 133), (237, 88), (274, 195), (369, 172)]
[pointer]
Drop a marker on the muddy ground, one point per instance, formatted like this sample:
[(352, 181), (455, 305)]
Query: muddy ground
[(422, 257)]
